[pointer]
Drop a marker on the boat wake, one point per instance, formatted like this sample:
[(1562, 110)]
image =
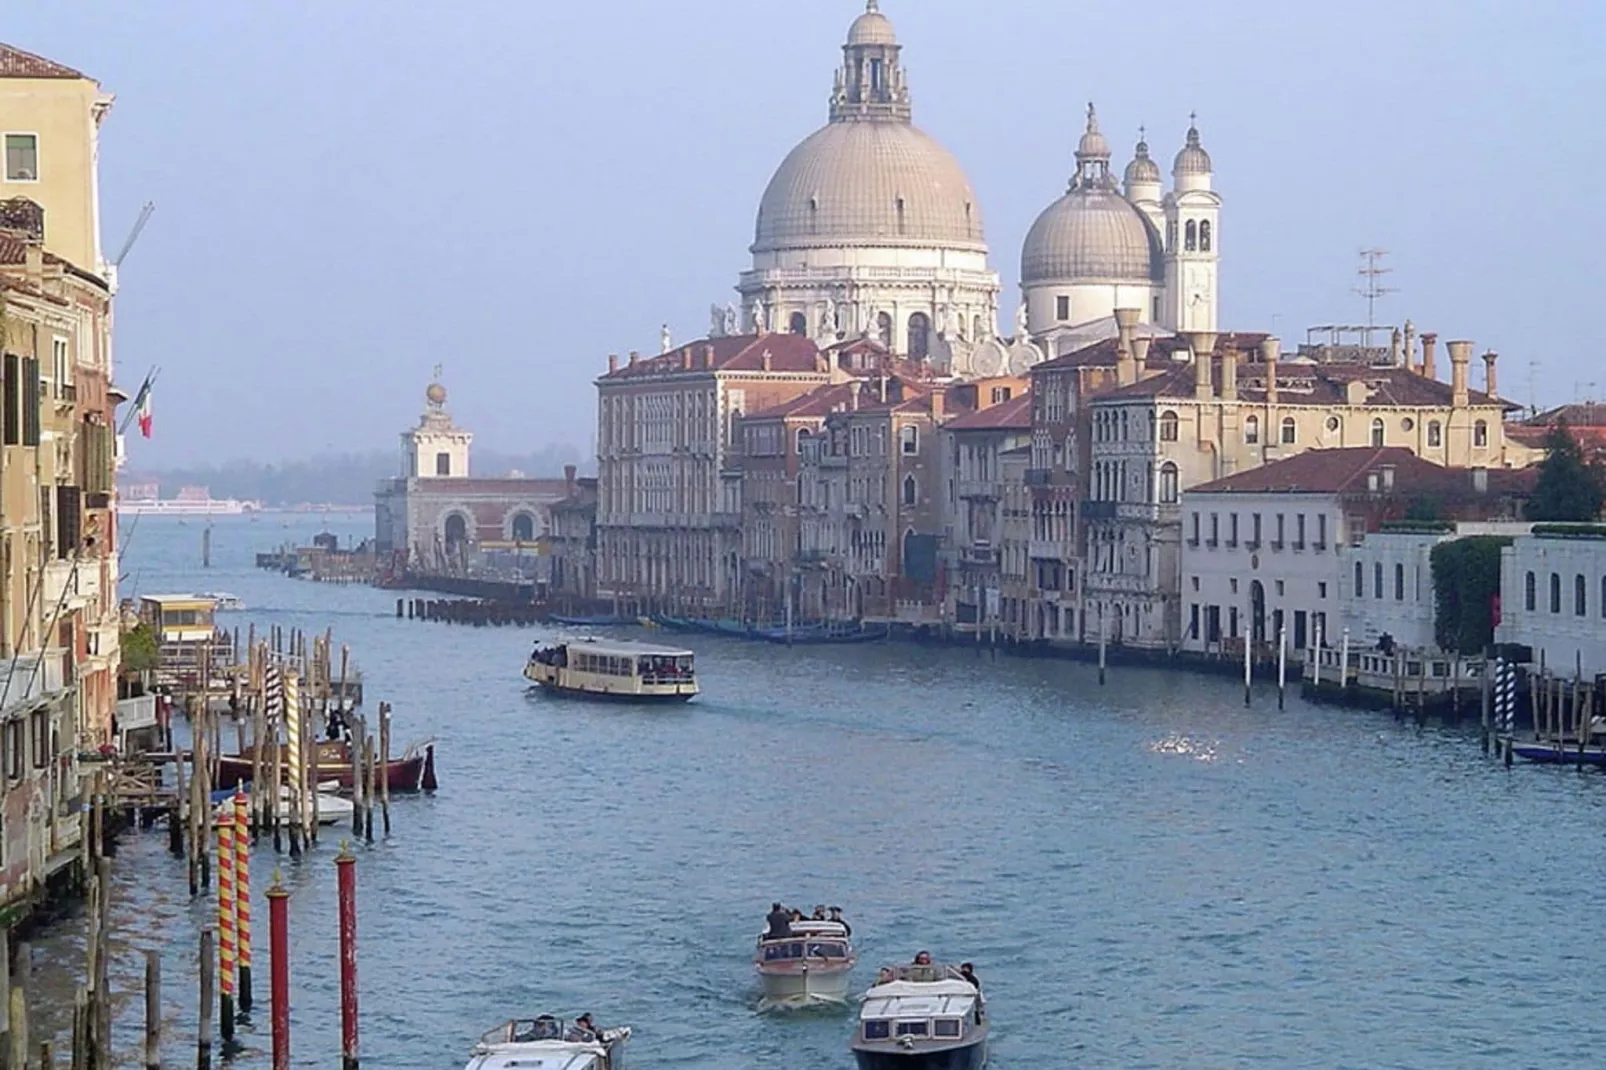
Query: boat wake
[(803, 1005)]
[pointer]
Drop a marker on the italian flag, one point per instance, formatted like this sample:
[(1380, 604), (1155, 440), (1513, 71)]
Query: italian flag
[(142, 407)]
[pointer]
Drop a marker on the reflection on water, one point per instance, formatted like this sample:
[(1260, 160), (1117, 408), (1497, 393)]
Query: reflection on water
[(1146, 875)]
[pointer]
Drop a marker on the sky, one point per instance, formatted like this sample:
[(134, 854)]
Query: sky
[(351, 193)]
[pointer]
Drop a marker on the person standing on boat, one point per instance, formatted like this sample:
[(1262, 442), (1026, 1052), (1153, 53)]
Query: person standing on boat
[(583, 1031), (836, 916), (923, 958), (819, 914), (780, 922), (968, 973)]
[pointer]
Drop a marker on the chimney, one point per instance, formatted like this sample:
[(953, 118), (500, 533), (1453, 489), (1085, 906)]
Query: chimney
[(1270, 350), (1394, 348), (1480, 481), (1489, 381), (1430, 365), (613, 363), (685, 359), (1140, 351), (1229, 372), (881, 389), (765, 359), (1203, 345), (938, 403), (33, 261), (634, 356), (1126, 368), (1460, 365), (1410, 347), (568, 479), (853, 394)]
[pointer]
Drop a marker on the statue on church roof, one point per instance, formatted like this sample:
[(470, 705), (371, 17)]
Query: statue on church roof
[(730, 319), (1021, 332), (663, 339)]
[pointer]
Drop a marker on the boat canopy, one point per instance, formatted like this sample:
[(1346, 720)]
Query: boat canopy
[(807, 928), (620, 648)]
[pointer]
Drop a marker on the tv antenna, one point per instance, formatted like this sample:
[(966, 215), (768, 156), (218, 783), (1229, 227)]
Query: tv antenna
[(1371, 272)]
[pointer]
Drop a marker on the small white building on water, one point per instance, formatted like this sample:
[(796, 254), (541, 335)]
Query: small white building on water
[(1553, 597)]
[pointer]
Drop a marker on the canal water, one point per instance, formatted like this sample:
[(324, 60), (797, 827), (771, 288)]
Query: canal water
[(1145, 875)]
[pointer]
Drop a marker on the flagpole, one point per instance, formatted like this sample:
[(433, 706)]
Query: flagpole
[(139, 399)]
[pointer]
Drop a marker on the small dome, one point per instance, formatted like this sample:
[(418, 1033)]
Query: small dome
[(1142, 168), (1193, 159), (1092, 235), (1093, 145), (869, 183), (435, 394), (872, 28)]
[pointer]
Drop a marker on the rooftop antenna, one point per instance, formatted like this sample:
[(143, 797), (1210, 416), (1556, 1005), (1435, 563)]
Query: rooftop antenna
[(1533, 387), (1372, 272), (1583, 390)]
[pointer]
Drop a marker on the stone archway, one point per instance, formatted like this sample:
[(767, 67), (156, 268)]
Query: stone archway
[(455, 530), (522, 529), (919, 336)]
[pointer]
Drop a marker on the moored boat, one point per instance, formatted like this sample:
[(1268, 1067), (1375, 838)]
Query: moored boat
[(922, 1017), (605, 669), (811, 964), (412, 772), (547, 1043), (331, 808)]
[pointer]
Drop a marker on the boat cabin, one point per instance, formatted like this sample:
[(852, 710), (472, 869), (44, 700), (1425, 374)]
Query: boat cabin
[(179, 618), (614, 668), (808, 940), (921, 1003)]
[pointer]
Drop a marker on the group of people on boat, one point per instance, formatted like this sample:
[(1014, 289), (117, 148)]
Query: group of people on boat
[(780, 920), (967, 971), (555, 656), (580, 1031)]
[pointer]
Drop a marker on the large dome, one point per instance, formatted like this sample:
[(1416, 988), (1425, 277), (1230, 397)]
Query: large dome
[(869, 182), (1092, 235)]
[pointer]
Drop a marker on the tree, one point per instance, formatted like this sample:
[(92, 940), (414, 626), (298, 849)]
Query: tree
[(139, 649), (1466, 581), (1569, 488)]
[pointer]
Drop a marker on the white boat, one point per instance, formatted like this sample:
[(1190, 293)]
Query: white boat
[(141, 500), (609, 669), (332, 809), (811, 965), (226, 602), (547, 1043), (921, 1017)]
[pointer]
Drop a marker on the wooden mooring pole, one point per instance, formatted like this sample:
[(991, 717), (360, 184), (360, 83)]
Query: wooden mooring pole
[(203, 1040), (153, 1011)]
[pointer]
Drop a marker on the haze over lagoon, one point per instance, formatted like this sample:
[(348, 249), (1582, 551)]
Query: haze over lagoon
[(349, 195), (1147, 875)]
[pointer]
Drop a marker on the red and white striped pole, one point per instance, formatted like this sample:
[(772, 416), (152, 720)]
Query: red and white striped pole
[(242, 893), (225, 928), (279, 963), (346, 868)]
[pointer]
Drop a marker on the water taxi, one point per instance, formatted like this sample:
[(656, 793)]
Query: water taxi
[(922, 1017), (547, 1043), (611, 669), (809, 965)]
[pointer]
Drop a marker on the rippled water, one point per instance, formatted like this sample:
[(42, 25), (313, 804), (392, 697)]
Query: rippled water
[(1146, 875)]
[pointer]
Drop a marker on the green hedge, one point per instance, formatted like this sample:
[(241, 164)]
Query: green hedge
[(1466, 579)]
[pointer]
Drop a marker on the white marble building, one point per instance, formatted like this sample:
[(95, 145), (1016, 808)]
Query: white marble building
[(1553, 598), (869, 226)]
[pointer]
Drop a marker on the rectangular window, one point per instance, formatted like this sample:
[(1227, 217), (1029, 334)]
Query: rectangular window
[(16, 757), (1232, 530), (443, 464), (30, 401), (1321, 589), (41, 739), (1062, 309), (12, 400), (1215, 528), (1195, 539), (69, 520), (1278, 545), (1321, 531), (1255, 527), (1299, 532), (22, 158), (1377, 579)]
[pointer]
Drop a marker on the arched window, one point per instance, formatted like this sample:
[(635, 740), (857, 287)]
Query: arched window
[(911, 490), (1435, 434), (908, 440), (1190, 241), (456, 530), (1360, 581), (1168, 427), (1480, 435), (1555, 592), (1168, 483), (1399, 583), (1204, 236), (975, 331), (523, 528), (1377, 580), (883, 326), (919, 335), (799, 323), (1290, 431), (1252, 429), (1580, 596), (1530, 593), (1377, 433)]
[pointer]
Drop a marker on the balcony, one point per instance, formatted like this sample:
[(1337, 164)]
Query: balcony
[(1276, 545), (979, 553), (978, 489), (856, 510), (1092, 510), (1252, 545), (29, 677), (1049, 550), (61, 583), (1319, 547)]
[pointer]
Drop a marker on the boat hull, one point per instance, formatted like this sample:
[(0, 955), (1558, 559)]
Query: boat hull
[(802, 987), (970, 1057), (613, 696), (559, 682), (1550, 754), (404, 775)]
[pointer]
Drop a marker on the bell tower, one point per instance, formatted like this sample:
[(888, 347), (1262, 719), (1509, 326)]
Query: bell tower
[(436, 448), (1192, 241)]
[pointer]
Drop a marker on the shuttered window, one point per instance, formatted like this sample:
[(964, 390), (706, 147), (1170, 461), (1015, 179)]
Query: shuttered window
[(10, 426), (69, 520), (30, 401)]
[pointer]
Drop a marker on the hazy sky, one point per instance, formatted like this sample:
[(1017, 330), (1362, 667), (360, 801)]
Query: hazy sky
[(352, 192)]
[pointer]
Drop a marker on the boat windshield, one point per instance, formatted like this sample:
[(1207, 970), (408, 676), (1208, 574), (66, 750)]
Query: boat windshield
[(525, 1031), (805, 949), (921, 974)]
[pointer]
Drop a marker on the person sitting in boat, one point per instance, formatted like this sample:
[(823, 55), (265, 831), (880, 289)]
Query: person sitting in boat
[(780, 923), (546, 1028), (836, 916), (583, 1031), (923, 958), (819, 914), (886, 976), (796, 915), (967, 972)]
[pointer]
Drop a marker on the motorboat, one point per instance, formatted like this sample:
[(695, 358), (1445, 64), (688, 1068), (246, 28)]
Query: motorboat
[(609, 669), (549, 1043), (332, 809), (226, 602), (810, 965), (921, 1017)]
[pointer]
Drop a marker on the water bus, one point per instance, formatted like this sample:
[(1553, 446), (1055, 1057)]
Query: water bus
[(547, 1042), (810, 965), (613, 669), (921, 1017)]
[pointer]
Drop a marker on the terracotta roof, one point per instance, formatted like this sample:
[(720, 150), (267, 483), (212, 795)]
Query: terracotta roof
[(736, 353), (818, 402), (1587, 414), (1345, 471), (1305, 383), (15, 63), (1012, 415)]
